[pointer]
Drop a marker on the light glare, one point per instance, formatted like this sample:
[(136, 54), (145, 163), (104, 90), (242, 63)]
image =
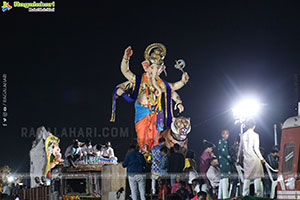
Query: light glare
[(10, 179), (246, 109)]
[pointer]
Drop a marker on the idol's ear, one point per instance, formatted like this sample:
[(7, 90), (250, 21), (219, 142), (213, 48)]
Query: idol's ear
[(189, 119), (146, 65)]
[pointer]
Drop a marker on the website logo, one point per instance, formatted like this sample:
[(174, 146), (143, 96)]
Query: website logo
[(30, 6), (6, 6), (36, 7)]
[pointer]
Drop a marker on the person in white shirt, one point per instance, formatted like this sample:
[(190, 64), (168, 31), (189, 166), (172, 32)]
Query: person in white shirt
[(87, 150), (196, 186), (97, 149), (253, 160), (213, 174), (73, 153), (108, 152)]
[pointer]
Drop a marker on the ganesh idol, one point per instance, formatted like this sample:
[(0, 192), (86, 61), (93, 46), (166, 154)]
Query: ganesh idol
[(149, 93)]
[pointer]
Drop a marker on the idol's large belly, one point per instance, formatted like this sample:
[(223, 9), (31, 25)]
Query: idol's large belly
[(143, 100)]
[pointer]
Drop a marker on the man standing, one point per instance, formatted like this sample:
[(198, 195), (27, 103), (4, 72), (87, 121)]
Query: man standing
[(205, 163), (156, 158), (273, 157), (253, 160), (176, 163), (273, 160), (234, 150), (224, 164), (214, 175), (163, 164), (136, 164)]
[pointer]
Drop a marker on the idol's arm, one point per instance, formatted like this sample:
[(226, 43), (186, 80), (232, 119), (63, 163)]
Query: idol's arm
[(179, 84), (122, 87), (125, 65), (178, 102)]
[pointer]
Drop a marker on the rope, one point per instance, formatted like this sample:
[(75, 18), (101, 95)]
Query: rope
[(268, 166), (240, 167), (240, 173)]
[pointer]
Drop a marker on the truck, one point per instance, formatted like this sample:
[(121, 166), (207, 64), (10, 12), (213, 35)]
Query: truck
[(288, 181)]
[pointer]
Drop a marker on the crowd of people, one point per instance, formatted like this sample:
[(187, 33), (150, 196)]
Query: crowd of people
[(86, 151), (9, 185), (173, 173)]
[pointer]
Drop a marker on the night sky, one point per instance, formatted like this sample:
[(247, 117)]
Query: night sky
[(62, 67)]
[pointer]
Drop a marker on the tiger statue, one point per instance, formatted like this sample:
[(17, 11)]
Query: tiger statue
[(180, 128)]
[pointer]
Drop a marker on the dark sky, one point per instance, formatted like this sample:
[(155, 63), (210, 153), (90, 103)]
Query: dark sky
[(62, 67)]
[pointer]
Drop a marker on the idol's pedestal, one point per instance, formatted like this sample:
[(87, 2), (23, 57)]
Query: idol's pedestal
[(113, 179), (92, 182)]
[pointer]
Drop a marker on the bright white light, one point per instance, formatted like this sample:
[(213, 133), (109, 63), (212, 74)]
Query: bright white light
[(246, 109), (10, 179)]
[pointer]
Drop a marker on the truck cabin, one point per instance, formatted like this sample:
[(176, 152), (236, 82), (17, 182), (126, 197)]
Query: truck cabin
[(289, 167)]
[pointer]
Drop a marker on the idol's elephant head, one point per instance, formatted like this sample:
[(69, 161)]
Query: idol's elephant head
[(152, 72), (154, 65)]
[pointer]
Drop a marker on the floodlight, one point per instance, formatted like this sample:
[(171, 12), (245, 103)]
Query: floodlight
[(10, 179), (248, 108)]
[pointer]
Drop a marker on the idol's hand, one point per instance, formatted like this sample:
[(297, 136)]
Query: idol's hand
[(185, 77), (128, 52), (180, 108)]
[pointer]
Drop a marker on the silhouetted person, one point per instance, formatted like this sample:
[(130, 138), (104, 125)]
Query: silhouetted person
[(135, 164), (205, 163), (156, 156), (176, 163)]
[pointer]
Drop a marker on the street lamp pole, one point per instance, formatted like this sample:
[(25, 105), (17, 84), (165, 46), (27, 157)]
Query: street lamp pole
[(275, 135)]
